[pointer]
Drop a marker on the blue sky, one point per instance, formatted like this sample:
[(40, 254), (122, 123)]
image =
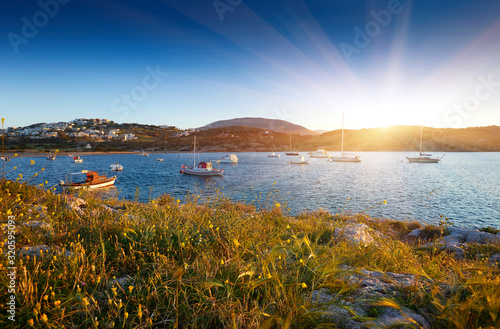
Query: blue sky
[(188, 63)]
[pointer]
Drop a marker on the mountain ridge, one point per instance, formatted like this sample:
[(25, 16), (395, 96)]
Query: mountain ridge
[(276, 125)]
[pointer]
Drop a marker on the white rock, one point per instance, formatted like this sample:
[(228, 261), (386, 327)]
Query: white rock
[(354, 234), (415, 233)]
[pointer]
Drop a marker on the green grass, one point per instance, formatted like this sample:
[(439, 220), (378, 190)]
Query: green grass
[(218, 264)]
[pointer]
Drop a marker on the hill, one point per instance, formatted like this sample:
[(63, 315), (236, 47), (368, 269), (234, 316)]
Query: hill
[(281, 126), (405, 138)]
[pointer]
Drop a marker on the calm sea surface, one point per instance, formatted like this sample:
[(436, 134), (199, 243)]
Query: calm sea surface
[(465, 187)]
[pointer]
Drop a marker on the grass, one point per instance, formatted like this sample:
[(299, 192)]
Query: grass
[(219, 264)]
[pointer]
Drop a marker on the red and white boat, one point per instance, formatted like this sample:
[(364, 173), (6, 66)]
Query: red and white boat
[(93, 180), (77, 159), (204, 168)]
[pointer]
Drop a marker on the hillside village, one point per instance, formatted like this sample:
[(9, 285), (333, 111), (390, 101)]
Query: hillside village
[(83, 128)]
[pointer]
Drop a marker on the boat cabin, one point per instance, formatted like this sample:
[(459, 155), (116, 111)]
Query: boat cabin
[(205, 165)]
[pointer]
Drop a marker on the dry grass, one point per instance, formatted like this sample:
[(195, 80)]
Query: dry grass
[(214, 265)]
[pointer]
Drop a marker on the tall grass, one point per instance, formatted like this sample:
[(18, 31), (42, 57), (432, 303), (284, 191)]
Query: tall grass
[(216, 264)]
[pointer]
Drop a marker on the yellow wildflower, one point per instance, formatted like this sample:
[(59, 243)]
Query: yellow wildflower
[(385, 201), (57, 303), (222, 261), (44, 318), (126, 315), (31, 322), (303, 285), (32, 162), (277, 205), (130, 288)]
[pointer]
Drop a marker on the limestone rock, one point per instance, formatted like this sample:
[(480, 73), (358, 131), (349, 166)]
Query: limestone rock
[(354, 234), (482, 238), (41, 227), (495, 260), (76, 204), (43, 251), (392, 317)]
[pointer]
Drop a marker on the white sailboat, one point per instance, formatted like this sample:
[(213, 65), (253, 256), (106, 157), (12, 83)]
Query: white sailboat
[(320, 153), (204, 168), (423, 157), (291, 152), (345, 157)]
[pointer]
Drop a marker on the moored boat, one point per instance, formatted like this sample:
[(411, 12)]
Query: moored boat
[(116, 167), (423, 157), (291, 153), (143, 154), (92, 181), (159, 159), (320, 153), (273, 155), (77, 159), (51, 156), (204, 168), (230, 158), (345, 157)]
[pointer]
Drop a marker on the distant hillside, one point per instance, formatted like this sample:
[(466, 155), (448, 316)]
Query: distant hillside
[(261, 123), (405, 138)]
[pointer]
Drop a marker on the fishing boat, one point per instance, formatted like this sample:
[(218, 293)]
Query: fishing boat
[(143, 154), (5, 158), (230, 158), (320, 153), (290, 153), (116, 167), (302, 160), (273, 155), (92, 181), (345, 157), (51, 156), (77, 159), (423, 157), (204, 168)]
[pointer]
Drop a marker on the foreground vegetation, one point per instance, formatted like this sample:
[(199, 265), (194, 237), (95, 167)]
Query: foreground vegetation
[(219, 264)]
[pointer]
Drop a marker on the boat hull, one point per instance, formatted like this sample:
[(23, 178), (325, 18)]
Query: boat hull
[(423, 160), (189, 170), (292, 153), (78, 161), (345, 159), (106, 183)]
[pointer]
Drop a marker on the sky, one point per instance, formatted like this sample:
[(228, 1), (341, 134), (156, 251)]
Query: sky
[(191, 62)]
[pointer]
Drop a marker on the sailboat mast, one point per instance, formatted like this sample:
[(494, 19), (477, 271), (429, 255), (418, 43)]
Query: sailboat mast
[(421, 131), (342, 144), (194, 152), (290, 142)]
